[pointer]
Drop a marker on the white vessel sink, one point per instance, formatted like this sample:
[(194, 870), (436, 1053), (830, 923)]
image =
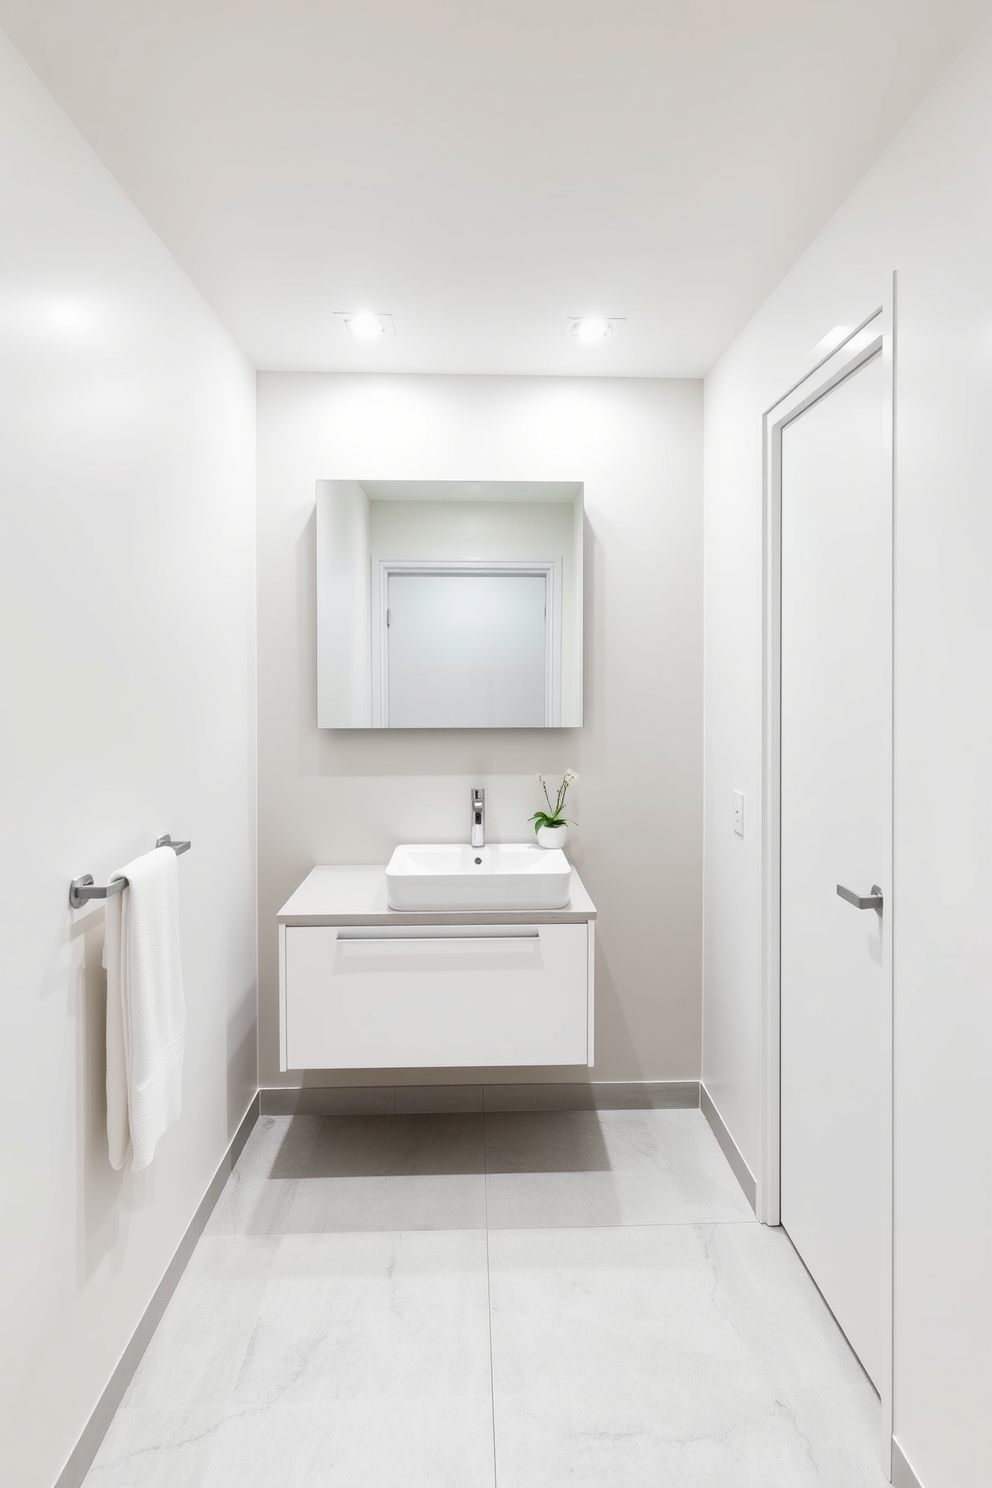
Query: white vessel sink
[(504, 875)]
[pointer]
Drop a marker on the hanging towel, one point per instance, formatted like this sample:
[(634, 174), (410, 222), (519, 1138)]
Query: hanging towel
[(146, 1014)]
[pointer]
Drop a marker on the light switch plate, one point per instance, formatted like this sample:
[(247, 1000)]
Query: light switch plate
[(739, 813)]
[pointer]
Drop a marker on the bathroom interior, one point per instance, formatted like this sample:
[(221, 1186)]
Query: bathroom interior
[(523, 1221)]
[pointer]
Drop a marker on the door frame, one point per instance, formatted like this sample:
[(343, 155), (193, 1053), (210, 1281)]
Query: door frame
[(874, 335), (550, 568)]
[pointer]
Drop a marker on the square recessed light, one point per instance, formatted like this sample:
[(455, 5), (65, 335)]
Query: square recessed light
[(365, 325), (593, 330)]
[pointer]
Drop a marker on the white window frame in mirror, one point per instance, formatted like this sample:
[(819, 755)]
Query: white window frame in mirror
[(382, 568)]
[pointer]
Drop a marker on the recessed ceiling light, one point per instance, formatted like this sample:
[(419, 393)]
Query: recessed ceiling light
[(366, 326), (593, 329)]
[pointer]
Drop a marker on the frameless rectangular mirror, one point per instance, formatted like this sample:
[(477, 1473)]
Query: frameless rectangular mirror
[(449, 604)]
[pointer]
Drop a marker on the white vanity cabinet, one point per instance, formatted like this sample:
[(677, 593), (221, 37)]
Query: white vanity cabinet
[(364, 987)]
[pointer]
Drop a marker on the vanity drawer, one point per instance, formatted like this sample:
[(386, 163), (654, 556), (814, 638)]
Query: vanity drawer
[(435, 996)]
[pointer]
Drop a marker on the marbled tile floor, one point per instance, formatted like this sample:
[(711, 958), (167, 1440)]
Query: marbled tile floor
[(522, 1299)]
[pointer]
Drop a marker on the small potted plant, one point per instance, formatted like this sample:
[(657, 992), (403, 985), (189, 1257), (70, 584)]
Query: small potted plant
[(551, 827)]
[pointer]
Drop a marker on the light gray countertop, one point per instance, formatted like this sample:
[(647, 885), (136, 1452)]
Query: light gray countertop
[(344, 895)]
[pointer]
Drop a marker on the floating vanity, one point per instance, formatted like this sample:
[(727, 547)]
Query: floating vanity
[(363, 986)]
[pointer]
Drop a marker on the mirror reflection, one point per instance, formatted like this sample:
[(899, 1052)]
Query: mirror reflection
[(449, 604)]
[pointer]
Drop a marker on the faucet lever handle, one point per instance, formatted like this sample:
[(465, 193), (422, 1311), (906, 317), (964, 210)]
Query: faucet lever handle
[(478, 834)]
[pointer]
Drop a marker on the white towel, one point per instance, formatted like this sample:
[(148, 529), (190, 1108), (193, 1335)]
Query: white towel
[(146, 1013)]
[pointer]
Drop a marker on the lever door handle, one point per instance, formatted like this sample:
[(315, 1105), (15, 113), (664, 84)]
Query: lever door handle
[(862, 901)]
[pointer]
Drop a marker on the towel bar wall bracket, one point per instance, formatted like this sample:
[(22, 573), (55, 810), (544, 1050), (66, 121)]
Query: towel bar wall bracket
[(83, 889)]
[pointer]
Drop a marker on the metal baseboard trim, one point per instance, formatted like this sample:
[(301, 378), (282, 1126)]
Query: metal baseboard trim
[(729, 1147), (81, 1457), (389, 1100), (903, 1475)]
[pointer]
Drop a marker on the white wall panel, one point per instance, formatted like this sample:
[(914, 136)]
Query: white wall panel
[(925, 210), (127, 695)]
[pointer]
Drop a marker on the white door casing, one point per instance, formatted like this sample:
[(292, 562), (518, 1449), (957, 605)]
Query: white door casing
[(826, 1160)]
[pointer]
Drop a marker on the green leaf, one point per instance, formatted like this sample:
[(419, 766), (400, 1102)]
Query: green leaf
[(543, 819)]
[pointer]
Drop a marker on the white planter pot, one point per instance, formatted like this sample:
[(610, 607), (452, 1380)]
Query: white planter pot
[(552, 836)]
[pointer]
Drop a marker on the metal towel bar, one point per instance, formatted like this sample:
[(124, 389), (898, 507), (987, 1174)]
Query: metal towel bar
[(83, 889)]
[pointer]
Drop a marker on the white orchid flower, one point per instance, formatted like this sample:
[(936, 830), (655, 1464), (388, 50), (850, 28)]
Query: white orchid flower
[(553, 816)]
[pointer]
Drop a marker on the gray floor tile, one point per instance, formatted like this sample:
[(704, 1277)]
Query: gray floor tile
[(367, 1316), (196, 1353), (615, 1362), (606, 1167), (221, 1258), (762, 1285), (441, 1201), (837, 1431), (691, 1155), (434, 1442), (346, 1319), (590, 1443), (252, 1206), (271, 1447), (564, 1200), (394, 1146), (277, 1146), (156, 1449)]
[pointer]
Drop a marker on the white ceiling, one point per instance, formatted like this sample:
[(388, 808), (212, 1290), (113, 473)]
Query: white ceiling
[(481, 169)]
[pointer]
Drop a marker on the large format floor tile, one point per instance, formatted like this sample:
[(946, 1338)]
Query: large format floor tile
[(395, 1146), (199, 1346), (156, 1449), (582, 1168), (370, 1316), (252, 1205), (492, 1299), (430, 1443), (278, 1147), (327, 1174), (618, 1358), (762, 1286), (406, 1172), (446, 1201), (368, 1364)]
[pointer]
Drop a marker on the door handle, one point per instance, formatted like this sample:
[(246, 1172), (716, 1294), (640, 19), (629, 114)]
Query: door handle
[(866, 901)]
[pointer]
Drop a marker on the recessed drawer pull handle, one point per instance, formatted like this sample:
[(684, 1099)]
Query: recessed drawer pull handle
[(462, 940)]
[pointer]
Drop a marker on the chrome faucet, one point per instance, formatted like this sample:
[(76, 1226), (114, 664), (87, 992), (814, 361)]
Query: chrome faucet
[(478, 817)]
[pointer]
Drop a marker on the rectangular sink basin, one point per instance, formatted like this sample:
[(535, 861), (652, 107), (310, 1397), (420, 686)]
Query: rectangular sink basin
[(504, 875)]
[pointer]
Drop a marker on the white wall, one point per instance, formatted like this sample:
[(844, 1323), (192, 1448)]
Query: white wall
[(926, 211), (348, 797), (126, 655)]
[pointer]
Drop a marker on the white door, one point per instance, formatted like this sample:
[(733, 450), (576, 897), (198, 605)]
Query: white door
[(467, 651), (836, 763)]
